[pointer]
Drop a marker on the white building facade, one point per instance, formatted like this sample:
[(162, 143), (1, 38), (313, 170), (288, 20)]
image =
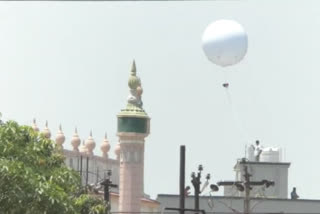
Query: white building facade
[(228, 204), (262, 164)]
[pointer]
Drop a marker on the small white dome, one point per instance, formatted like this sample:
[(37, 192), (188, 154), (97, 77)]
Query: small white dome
[(34, 125), (75, 141), (46, 132), (83, 149), (60, 138), (90, 144), (105, 147)]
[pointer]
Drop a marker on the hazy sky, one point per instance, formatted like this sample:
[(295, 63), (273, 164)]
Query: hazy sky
[(68, 63)]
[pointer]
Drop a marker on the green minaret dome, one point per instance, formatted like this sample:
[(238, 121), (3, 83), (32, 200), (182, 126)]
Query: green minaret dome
[(134, 81), (133, 118)]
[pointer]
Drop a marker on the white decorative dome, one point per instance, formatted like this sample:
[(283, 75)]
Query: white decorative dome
[(75, 141), (105, 147), (83, 149), (90, 144), (117, 151), (46, 132), (60, 138), (34, 125)]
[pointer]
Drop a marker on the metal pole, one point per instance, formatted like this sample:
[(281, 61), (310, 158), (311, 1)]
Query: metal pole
[(107, 183), (182, 177), (81, 170), (97, 177), (87, 172), (197, 192), (107, 195)]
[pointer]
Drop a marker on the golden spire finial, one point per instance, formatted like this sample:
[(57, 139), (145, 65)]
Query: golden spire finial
[(133, 68), (134, 81)]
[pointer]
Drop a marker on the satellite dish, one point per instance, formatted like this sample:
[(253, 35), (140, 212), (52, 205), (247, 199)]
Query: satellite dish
[(225, 42)]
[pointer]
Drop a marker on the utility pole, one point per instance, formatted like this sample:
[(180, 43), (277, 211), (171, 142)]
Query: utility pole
[(196, 182), (182, 177), (107, 184), (87, 172), (246, 186), (81, 170)]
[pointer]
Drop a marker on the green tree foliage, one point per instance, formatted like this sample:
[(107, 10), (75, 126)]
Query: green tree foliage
[(34, 178), (90, 205)]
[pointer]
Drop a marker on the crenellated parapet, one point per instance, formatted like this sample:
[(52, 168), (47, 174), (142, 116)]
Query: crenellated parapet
[(85, 149)]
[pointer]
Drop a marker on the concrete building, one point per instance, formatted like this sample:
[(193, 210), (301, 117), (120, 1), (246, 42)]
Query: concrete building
[(272, 171), (229, 204), (262, 164)]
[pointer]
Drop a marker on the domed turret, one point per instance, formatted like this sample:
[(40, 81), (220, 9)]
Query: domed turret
[(105, 147), (60, 138), (133, 127), (117, 151), (90, 144), (46, 132), (34, 126), (83, 149), (134, 98), (134, 81), (75, 141)]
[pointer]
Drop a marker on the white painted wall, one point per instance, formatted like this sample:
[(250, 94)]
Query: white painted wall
[(277, 172), (97, 166)]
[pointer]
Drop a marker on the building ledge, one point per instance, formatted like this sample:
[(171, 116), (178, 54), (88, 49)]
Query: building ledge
[(241, 198)]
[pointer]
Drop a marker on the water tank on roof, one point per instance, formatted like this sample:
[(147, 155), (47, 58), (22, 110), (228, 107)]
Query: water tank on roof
[(270, 154), (250, 151)]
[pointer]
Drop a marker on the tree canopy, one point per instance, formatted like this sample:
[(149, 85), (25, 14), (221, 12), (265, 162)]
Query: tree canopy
[(34, 178)]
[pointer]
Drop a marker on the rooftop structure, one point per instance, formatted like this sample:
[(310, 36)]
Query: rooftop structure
[(263, 164)]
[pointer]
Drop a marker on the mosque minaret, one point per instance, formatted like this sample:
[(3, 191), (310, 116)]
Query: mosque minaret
[(126, 168), (133, 127)]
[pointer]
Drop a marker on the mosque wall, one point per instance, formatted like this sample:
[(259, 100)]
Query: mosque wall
[(97, 167)]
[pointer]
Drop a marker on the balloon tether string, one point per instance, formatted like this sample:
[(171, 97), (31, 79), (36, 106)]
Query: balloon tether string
[(235, 116)]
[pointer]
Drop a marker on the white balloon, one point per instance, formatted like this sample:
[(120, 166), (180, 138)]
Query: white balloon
[(225, 42)]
